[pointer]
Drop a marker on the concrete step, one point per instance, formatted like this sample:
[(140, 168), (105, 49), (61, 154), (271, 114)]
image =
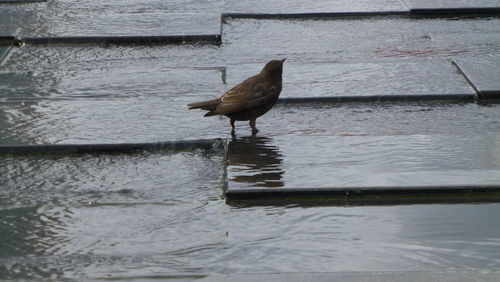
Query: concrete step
[(297, 7), (354, 151), (404, 79), (483, 73), (354, 40)]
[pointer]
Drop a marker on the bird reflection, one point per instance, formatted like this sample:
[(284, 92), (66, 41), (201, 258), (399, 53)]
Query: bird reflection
[(254, 161)]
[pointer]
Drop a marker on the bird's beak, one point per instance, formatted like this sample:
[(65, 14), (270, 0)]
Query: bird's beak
[(283, 60)]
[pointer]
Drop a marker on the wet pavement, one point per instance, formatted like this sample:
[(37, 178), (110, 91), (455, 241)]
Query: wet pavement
[(446, 4), (483, 73), (163, 213), (369, 147), (295, 6), (331, 79)]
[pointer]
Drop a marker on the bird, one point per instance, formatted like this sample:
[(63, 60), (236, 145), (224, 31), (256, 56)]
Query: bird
[(250, 99)]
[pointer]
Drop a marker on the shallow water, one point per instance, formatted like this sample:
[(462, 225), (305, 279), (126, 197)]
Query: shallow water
[(163, 214), (423, 76), (316, 6), (204, 236), (354, 40), (116, 18), (364, 146)]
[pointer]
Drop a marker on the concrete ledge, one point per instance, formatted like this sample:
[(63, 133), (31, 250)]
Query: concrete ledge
[(490, 94), (366, 195), (379, 98), (111, 148), (7, 40), (485, 275), (326, 15), (472, 11), (123, 40), (466, 11), (482, 74), (359, 191)]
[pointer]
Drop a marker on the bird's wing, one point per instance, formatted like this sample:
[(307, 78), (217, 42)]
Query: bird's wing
[(243, 97)]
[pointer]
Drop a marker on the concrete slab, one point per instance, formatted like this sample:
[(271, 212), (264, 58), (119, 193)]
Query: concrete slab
[(415, 276), (359, 149), (354, 40), (92, 183), (15, 15), (56, 197), (112, 23), (483, 73), (403, 80), (83, 95), (296, 6), (60, 20), (422, 7), (190, 57), (129, 18)]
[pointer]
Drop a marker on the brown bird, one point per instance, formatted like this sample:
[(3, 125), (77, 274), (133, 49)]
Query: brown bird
[(249, 99)]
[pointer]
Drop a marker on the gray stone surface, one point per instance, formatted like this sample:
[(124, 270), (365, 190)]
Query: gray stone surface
[(354, 40), (322, 6), (47, 205), (121, 24), (392, 78), (83, 94), (83, 179), (450, 4), (14, 16), (133, 18), (483, 73), (369, 147), (396, 276), (162, 215)]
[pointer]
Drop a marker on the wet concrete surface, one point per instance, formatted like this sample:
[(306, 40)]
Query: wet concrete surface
[(50, 205), (444, 276), (97, 178), (295, 6), (84, 18), (483, 73), (375, 39), (415, 77), (163, 214), (169, 236), (379, 146), (447, 4), (65, 86)]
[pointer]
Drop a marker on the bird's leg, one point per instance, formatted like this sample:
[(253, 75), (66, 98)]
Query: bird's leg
[(232, 126), (252, 125)]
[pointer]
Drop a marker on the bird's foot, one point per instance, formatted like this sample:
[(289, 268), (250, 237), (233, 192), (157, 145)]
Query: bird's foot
[(254, 128)]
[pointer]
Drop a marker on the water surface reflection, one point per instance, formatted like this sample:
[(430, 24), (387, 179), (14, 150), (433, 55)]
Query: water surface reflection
[(255, 161)]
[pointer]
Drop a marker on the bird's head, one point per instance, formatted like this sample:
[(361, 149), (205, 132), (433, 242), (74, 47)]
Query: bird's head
[(274, 69)]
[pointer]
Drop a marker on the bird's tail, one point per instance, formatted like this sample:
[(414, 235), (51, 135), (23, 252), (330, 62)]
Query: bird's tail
[(205, 105), (210, 106)]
